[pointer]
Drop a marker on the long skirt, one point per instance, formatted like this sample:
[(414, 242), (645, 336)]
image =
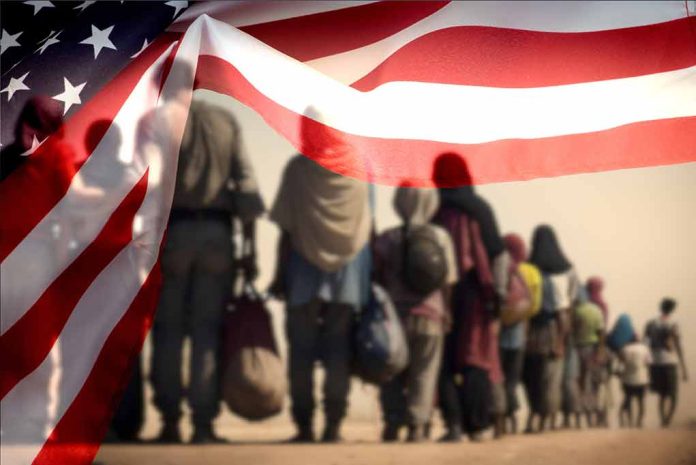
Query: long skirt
[(533, 376)]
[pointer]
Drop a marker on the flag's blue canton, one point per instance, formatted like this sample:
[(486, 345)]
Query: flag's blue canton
[(69, 50)]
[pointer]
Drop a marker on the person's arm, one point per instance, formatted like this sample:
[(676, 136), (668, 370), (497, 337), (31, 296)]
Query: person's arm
[(680, 354), (602, 354), (248, 260), (501, 278), (277, 287)]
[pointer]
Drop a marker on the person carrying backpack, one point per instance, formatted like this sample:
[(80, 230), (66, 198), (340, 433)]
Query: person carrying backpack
[(548, 330), (663, 337), (513, 336), (415, 263)]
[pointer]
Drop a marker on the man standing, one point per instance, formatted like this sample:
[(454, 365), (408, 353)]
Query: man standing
[(214, 186), (662, 335)]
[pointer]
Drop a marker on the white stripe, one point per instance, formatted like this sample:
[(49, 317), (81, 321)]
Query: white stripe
[(245, 13), (350, 66), (453, 113), (111, 293), (20, 282)]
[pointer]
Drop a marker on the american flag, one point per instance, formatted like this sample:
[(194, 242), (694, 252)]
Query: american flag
[(519, 89)]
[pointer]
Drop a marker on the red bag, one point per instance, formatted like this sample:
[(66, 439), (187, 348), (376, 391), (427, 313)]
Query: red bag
[(254, 382)]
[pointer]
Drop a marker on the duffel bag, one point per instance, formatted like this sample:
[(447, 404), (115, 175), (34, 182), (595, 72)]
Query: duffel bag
[(380, 350), (254, 381)]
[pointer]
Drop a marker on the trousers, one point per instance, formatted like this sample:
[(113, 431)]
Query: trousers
[(197, 265)]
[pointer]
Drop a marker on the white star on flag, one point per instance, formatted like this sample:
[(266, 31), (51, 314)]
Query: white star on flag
[(84, 5), (48, 41), (99, 40), (35, 144), (177, 5), (8, 40), (71, 95), (15, 85), (145, 44), (39, 5)]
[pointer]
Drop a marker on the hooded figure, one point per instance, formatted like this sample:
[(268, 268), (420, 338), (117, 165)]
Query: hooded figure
[(471, 349), (464, 198), (325, 214), (408, 399), (516, 248), (513, 337), (554, 338), (323, 271), (416, 206), (547, 253)]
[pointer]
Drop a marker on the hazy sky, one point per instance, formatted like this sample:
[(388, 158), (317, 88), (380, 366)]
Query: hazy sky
[(634, 228)]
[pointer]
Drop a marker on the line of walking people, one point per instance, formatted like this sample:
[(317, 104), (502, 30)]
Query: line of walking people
[(479, 315), (468, 349)]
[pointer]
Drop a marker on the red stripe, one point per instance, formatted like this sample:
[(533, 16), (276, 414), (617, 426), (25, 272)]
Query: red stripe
[(391, 161), (76, 437), (322, 34), (27, 343), (34, 189), (496, 57)]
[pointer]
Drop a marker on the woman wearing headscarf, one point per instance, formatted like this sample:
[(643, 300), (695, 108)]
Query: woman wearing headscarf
[(595, 290), (323, 273), (409, 398), (550, 337), (513, 336), (471, 363)]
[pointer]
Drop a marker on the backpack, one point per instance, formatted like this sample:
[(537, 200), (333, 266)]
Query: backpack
[(547, 312), (253, 375), (380, 350), (424, 266), (518, 301)]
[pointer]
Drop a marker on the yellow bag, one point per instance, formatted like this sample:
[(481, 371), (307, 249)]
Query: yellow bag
[(524, 294)]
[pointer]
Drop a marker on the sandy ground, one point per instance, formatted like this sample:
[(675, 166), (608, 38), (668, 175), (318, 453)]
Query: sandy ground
[(260, 445)]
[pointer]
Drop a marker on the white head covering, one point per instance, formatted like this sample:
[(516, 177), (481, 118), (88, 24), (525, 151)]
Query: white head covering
[(416, 206)]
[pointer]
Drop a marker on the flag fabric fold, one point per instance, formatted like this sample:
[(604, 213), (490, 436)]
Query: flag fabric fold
[(520, 90)]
